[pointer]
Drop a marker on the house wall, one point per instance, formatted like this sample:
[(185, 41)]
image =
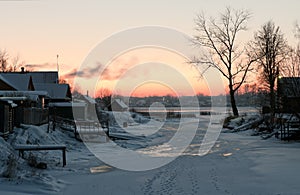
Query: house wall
[(290, 104), (6, 119), (288, 92)]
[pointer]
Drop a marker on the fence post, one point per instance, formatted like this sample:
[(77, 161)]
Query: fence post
[(48, 118)]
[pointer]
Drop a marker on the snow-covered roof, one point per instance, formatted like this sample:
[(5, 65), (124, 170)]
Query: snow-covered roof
[(30, 95), (40, 81), (43, 76), (22, 93), (19, 82), (13, 98), (11, 103), (67, 104), (37, 77), (120, 103), (89, 99), (55, 91)]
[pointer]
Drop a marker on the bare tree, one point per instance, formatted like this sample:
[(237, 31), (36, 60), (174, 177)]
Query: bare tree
[(8, 64), (224, 54), (103, 92), (16, 64), (105, 95), (289, 85), (291, 66), (4, 60), (269, 48)]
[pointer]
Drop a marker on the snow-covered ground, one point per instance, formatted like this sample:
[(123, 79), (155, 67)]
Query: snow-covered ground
[(237, 164)]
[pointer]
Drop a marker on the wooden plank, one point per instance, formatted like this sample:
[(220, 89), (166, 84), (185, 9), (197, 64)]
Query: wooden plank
[(23, 148), (39, 147)]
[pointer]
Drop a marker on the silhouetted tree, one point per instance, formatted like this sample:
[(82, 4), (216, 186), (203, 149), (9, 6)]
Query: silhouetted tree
[(4, 60), (8, 64), (219, 37), (105, 96), (291, 67), (269, 48)]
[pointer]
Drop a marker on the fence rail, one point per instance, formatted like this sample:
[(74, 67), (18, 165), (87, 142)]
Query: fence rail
[(79, 128), (289, 129)]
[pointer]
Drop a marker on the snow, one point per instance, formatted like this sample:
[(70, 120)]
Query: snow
[(237, 164)]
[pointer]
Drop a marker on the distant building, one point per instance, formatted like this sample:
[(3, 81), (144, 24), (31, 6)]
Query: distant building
[(118, 105), (90, 106)]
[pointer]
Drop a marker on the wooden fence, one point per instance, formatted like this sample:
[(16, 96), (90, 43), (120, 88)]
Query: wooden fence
[(35, 116), (79, 128)]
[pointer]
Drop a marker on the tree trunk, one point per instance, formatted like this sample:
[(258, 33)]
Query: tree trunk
[(232, 101), (272, 100)]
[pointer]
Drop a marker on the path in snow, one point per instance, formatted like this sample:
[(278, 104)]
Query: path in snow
[(237, 164)]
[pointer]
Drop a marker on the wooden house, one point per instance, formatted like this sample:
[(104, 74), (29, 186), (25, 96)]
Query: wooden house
[(38, 89), (118, 105), (90, 104), (288, 92)]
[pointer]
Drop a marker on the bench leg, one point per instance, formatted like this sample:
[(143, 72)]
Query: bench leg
[(64, 157)]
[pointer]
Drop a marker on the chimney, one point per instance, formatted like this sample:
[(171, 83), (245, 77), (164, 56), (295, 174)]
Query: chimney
[(22, 70)]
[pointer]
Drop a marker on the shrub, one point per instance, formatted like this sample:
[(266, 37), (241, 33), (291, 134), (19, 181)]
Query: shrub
[(11, 168)]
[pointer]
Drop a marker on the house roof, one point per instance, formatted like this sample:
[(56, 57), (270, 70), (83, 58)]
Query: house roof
[(37, 76), (120, 103), (23, 93), (8, 102), (67, 104), (43, 76), (89, 99), (39, 81), (31, 95), (20, 82), (289, 79), (55, 91)]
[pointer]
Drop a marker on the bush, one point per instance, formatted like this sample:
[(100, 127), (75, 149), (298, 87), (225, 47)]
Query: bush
[(32, 161), (11, 168), (227, 120)]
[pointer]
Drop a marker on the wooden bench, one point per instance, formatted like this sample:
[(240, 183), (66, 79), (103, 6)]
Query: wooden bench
[(25, 147)]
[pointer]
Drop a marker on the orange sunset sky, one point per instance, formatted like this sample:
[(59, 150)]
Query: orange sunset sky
[(38, 31)]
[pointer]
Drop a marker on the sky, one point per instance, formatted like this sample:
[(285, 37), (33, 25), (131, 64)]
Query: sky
[(37, 31)]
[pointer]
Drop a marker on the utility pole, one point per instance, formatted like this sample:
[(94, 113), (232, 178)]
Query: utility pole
[(57, 68)]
